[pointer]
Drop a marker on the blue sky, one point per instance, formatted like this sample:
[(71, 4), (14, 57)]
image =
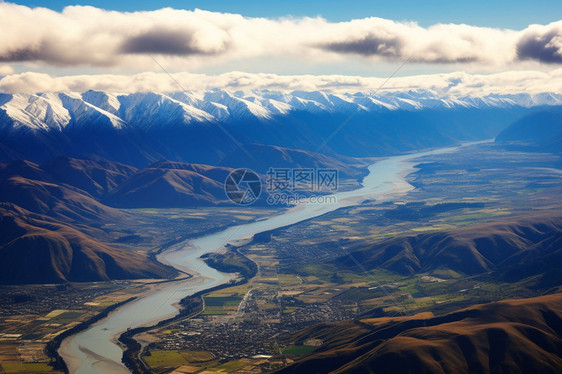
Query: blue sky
[(514, 14)]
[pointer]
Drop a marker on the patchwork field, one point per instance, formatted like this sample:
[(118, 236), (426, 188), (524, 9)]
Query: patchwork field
[(311, 272)]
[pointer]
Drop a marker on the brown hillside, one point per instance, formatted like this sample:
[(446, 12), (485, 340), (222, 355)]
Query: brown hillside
[(511, 336), (480, 248), (57, 201), (37, 249), (171, 184), (95, 177)]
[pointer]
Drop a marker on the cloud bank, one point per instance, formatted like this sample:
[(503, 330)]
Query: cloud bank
[(450, 84), (542, 43), (6, 69), (88, 36)]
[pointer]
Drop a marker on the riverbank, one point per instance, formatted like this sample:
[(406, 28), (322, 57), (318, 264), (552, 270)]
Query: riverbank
[(190, 306), (386, 180), (57, 363)]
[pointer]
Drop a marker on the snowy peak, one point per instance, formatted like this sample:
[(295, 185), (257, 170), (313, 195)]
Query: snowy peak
[(239, 108), (83, 113), (57, 111), (102, 100), (36, 111), (148, 110)]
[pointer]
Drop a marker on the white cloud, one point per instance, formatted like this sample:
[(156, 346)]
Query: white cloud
[(542, 43), (182, 40), (375, 37), (6, 70), (451, 84)]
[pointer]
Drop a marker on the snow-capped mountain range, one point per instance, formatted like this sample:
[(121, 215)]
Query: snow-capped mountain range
[(65, 110)]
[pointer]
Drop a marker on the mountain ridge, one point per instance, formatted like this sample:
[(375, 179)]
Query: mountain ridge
[(536, 132), (57, 110), (35, 248), (509, 336), (512, 249)]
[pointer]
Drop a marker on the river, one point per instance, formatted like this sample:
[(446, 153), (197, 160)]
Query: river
[(94, 350)]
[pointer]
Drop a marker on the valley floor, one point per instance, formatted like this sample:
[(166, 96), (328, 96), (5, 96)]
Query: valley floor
[(32, 315), (310, 272), (305, 275)]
